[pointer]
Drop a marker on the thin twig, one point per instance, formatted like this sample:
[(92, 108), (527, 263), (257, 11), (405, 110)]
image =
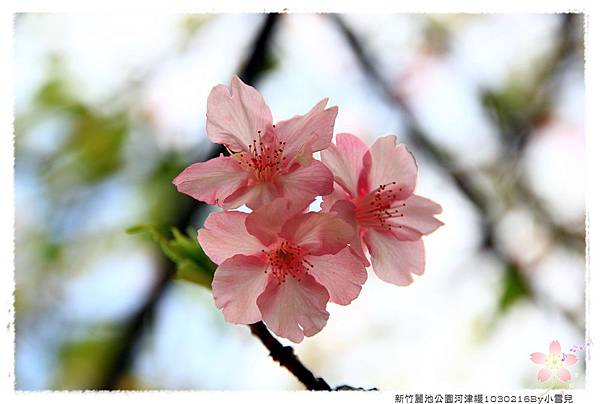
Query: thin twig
[(286, 358)]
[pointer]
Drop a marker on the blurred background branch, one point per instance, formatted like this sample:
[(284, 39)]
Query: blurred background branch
[(516, 126), (250, 72)]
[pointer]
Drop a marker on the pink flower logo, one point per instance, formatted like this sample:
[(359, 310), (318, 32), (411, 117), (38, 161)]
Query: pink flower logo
[(554, 363)]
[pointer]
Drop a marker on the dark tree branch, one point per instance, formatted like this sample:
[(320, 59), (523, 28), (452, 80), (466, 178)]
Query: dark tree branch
[(125, 350), (286, 358)]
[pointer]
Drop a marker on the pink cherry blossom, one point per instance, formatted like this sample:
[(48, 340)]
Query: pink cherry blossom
[(281, 266), (373, 192), (267, 161), (554, 363)]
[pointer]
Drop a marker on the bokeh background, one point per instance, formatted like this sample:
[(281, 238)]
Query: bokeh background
[(109, 108)]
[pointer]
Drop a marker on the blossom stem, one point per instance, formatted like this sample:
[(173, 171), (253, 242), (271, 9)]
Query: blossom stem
[(287, 358)]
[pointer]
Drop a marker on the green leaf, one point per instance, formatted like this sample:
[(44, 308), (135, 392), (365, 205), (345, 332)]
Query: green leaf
[(191, 272), (183, 249), (514, 288), (92, 142), (54, 93), (96, 143)]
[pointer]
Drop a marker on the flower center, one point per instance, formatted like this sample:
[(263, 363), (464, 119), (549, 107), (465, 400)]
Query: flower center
[(554, 361), (377, 208), (287, 259), (264, 159)]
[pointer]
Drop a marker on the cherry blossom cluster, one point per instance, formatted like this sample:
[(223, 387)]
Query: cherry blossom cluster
[(282, 263)]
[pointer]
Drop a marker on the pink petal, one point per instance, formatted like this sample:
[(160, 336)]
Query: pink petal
[(224, 235), (318, 233), (345, 160), (394, 260), (345, 210), (417, 218), (235, 116), (211, 181), (266, 222), (237, 284), (406, 233), (564, 374), (338, 194), (570, 359), (386, 163), (555, 347), (294, 308), (538, 357), (303, 184), (253, 195), (304, 155), (315, 127), (358, 248), (543, 375), (342, 275)]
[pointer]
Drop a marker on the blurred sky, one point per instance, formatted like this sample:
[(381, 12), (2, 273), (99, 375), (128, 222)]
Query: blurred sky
[(79, 276)]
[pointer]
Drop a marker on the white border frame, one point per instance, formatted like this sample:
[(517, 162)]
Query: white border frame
[(184, 6)]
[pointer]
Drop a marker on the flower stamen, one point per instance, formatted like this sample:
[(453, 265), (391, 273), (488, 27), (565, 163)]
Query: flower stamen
[(287, 260), (380, 206), (264, 159)]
